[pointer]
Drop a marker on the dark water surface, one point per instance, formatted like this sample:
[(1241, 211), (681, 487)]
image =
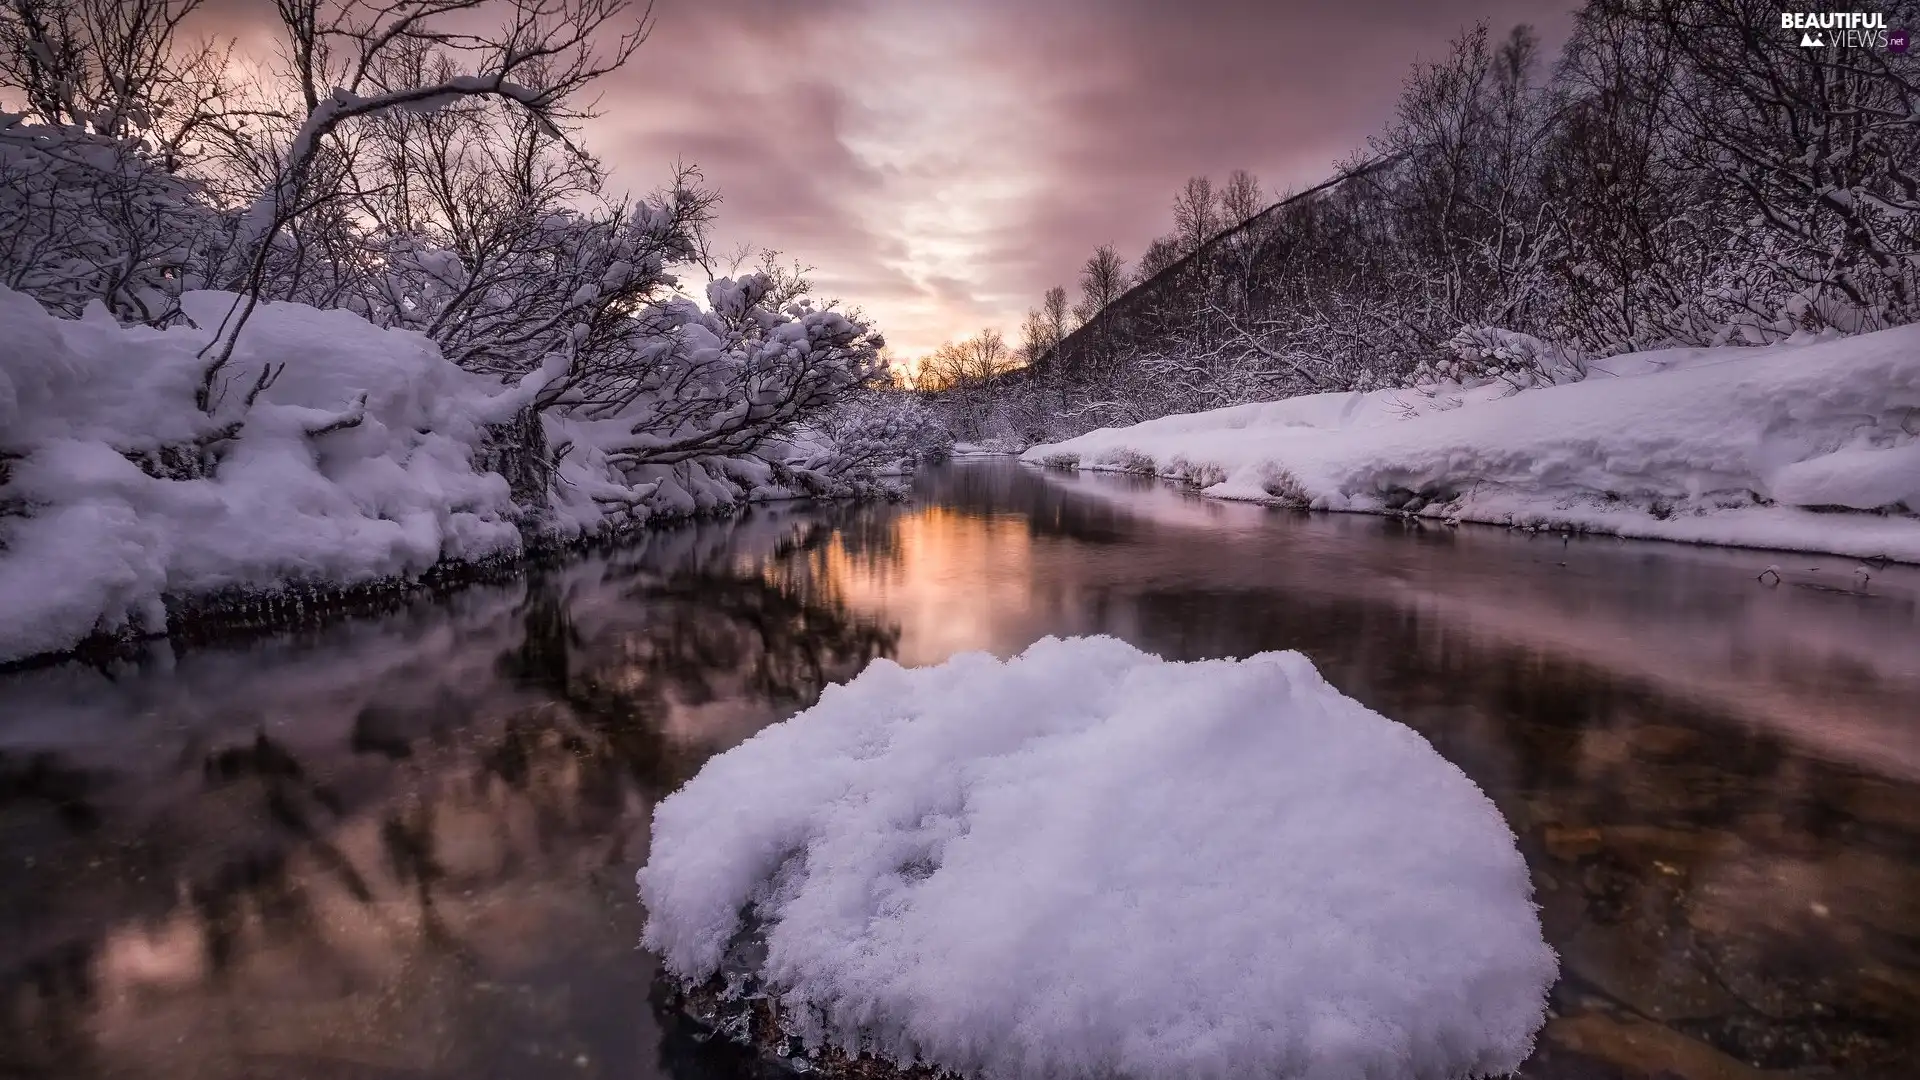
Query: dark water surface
[(405, 847)]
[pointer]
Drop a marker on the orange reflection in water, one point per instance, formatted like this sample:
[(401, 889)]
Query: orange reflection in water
[(954, 581)]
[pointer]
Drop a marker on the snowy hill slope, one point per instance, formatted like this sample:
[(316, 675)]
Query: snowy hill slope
[(1741, 446)]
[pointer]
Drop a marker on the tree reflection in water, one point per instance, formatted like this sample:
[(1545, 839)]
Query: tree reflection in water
[(382, 875)]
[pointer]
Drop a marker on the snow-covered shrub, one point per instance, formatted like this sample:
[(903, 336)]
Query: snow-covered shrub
[(693, 383), (85, 217), (1064, 459), (1484, 354), (882, 429), (550, 281), (1087, 862), (718, 407), (1200, 474), (1278, 483), (1127, 460)]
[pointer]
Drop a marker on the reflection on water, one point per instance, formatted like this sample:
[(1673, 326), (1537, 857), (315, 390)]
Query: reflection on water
[(404, 846)]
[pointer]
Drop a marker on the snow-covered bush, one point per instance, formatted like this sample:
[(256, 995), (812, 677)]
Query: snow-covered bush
[(883, 429), (1200, 474), (564, 281), (1277, 482), (1126, 459), (715, 382), (86, 217), (1484, 354), (1087, 862)]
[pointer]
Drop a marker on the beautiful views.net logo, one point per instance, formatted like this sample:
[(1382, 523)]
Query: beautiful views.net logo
[(1852, 29)]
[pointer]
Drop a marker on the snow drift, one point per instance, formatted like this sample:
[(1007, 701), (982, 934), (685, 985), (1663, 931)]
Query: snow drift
[(1088, 862), (1744, 446)]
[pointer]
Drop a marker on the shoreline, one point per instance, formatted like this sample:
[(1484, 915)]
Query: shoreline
[(239, 613), (1545, 520)]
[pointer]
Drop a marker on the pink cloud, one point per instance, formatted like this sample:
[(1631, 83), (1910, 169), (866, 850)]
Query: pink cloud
[(941, 164)]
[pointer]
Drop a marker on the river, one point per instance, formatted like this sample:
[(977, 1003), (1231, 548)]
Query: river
[(404, 846)]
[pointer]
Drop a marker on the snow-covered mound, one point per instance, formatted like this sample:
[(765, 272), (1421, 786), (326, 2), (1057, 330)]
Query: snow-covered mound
[(356, 463), (1732, 445), (1088, 862)]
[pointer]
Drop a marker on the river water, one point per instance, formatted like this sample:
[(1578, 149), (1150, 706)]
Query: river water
[(404, 846)]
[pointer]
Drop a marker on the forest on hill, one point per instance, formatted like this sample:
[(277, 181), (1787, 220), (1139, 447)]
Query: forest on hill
[(1684, 174)]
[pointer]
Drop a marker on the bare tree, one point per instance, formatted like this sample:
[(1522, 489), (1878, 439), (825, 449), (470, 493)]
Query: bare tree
[(117, 68), (1045, 326), (351, 62), (1161, 253), (1103, 277), (1057, 312), (971, 362), (1035, 341), (967, 374), (1196, 213), (1240, 198)]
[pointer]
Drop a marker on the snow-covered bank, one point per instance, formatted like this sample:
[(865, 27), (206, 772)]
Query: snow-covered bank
[(1088, 862), (1810, 447), (327, 455)]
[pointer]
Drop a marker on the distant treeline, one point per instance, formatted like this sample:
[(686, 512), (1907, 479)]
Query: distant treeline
[(1687, 174)]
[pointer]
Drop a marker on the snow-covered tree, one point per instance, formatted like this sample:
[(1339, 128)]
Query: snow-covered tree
[(417, 164), (681, 382), (352, 64), (1817, 143), (94, 203), (116, 68)]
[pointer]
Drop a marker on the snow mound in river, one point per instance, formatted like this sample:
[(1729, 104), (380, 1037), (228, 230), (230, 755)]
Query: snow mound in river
[(1089, 862)]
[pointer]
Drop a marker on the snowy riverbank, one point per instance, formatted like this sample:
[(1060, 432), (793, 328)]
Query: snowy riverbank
[(1812, 447), (330, 455)]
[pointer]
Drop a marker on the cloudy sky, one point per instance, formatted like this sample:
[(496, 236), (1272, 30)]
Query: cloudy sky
[(942, 163)]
